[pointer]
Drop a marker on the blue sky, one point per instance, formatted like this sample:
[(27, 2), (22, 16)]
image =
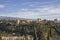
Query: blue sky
[(32, 9)]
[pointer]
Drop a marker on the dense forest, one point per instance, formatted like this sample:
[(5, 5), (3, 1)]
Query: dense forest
[(47, 31)]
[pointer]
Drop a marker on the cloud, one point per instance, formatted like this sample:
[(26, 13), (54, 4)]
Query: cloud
[(47, 12), (40, 4), (51, 10), (2, 6), (2, 14), (33, 10)]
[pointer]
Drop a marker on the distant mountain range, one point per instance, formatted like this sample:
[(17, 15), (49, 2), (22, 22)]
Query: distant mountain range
[(11, 18), (14, 18), (17, 18)]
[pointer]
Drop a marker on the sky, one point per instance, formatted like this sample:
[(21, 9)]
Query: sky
[(30, 9)]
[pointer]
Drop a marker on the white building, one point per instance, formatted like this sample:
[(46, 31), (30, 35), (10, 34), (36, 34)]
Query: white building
[(18, 21)]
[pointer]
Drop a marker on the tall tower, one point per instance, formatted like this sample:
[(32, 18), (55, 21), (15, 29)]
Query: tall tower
[(39, 20), (18, 21), (55, 20)]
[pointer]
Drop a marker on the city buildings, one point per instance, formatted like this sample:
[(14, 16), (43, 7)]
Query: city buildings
[(24, 21)]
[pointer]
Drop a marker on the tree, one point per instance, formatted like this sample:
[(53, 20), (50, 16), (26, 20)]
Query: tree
[(0, 37)]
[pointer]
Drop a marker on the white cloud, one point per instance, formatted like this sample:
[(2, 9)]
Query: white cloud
[(45, 12), (2, 6), (2, 14), (54, 10)]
